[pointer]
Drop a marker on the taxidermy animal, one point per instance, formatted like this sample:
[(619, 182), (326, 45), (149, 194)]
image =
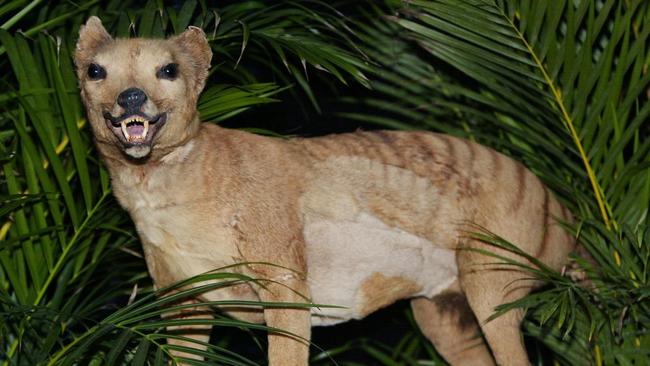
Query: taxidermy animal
[(357, 220)]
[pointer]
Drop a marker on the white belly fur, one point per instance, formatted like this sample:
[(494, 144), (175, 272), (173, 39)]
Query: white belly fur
[(347, 246), (343, 255)]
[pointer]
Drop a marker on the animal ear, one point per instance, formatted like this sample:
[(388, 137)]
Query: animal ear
[(92, 36), (194, 42)]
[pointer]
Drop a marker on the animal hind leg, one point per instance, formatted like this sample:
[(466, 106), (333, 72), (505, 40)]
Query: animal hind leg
[(190, 336), (448, 322), (485, 288)]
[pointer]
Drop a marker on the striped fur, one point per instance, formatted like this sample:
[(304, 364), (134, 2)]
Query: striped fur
[(361, 219)]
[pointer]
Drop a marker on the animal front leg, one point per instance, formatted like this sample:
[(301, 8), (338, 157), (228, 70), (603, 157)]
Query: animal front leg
[(195, 337), (292, 347)]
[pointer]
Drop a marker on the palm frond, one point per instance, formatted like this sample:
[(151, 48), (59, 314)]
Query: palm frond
[(61, 232), (560, 85)]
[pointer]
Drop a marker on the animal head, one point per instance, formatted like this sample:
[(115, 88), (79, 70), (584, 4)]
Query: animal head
[(141, 94)]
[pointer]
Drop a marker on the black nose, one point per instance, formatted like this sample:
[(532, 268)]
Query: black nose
[(131, 98)]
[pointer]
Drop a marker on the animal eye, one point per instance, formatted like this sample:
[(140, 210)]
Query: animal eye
[(96, 72), (169, 72)]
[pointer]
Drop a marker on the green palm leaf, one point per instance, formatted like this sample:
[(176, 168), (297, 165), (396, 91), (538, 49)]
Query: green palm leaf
[(559, 85), (62, 234)]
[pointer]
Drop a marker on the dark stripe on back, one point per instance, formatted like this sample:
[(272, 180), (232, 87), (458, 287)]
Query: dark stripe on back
[(423, 147), (471, 182), (385, 136), (451, 152), (568, 218), (472, 152), (391, 144), (373, 147), (546, 228), (451, 149), (520, 171), (496, 162), (228, 149)]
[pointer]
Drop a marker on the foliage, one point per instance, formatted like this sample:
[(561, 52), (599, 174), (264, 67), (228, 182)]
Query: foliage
[(561, 85), (69, 254)]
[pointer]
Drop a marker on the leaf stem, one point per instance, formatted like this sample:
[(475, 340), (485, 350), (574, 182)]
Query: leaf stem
[(568, 122), (68, 247)]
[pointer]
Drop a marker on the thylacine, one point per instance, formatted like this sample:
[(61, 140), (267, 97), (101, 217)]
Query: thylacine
[(363, 219)]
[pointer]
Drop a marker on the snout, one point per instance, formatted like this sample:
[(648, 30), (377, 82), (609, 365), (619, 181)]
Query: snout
[(135, 122), (131, 100)]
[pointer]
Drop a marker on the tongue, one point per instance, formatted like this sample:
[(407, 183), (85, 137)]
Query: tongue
[(135, 129)]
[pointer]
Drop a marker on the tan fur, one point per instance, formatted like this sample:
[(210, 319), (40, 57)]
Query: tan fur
[(360, 219), (448, 321), (379, 291)]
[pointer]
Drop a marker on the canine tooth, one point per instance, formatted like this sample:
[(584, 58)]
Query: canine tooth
[(146, 129), (125, 132)]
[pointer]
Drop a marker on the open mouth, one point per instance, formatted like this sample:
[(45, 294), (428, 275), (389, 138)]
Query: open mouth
[(135, 129)]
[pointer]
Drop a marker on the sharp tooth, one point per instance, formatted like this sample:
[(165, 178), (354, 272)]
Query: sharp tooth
[(146, 129), (125, 132)]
